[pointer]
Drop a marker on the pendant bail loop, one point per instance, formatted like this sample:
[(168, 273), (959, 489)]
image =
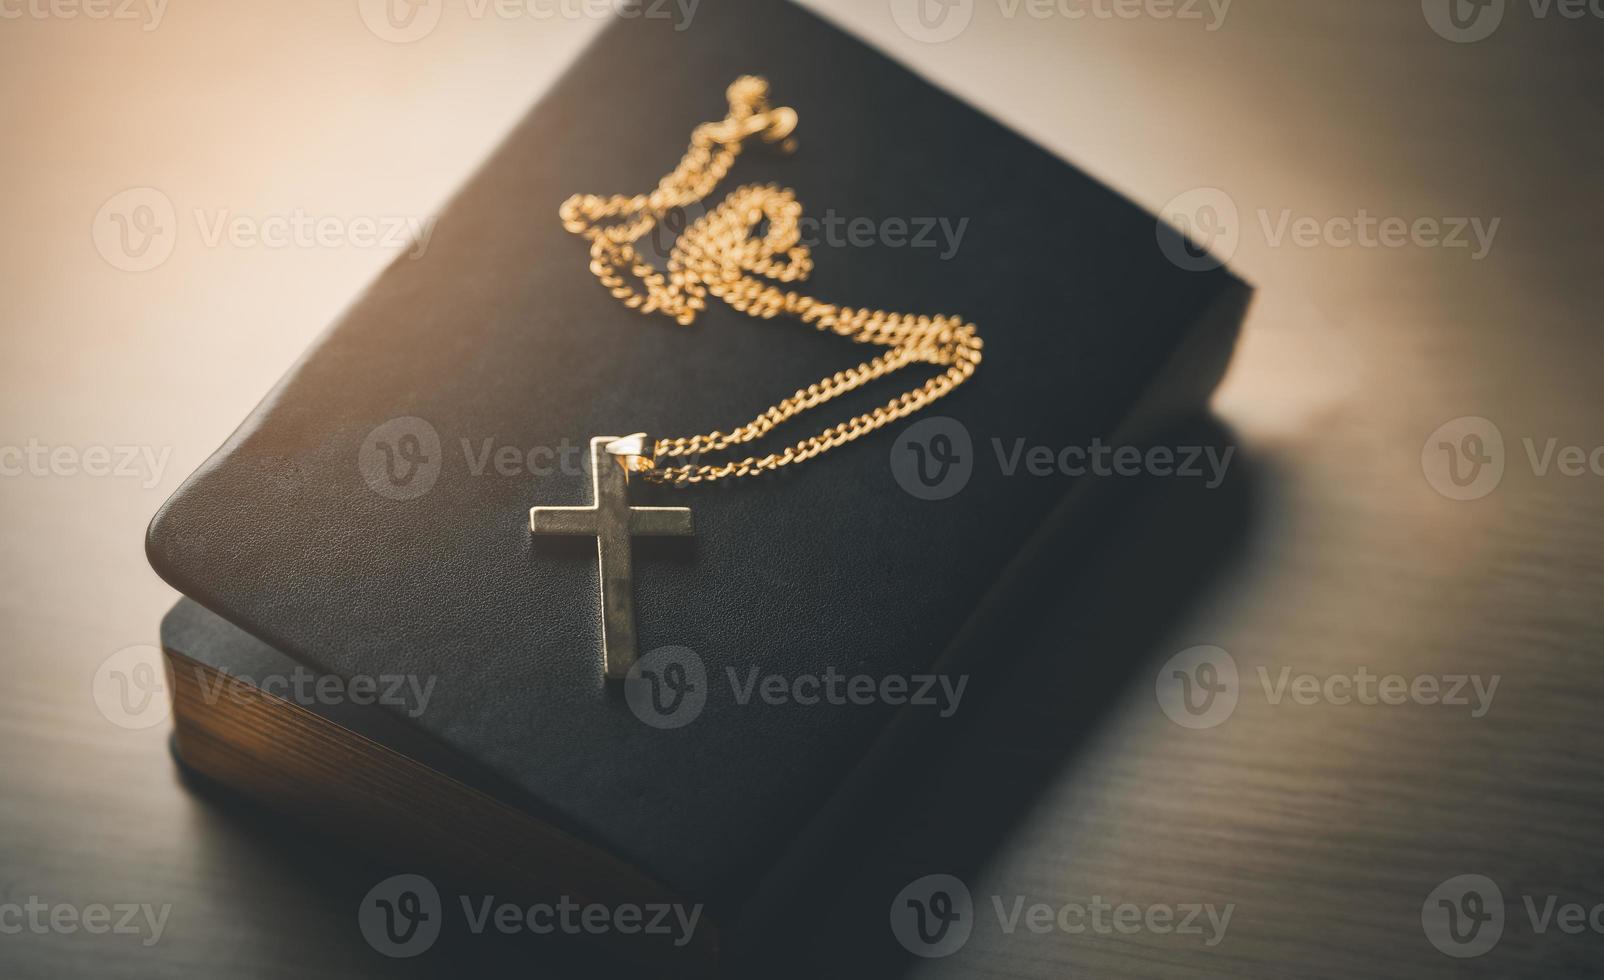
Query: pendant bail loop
[(635, 453)]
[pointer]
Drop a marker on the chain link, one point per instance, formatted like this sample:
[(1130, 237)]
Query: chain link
[(719, 255)]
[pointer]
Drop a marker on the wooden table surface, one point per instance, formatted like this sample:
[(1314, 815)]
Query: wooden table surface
[(1334, 549)]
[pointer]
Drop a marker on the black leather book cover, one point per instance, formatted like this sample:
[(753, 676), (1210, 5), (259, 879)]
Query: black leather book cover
[(497, 336)]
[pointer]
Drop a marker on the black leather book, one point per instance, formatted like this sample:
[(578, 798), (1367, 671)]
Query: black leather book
[(860, 563)]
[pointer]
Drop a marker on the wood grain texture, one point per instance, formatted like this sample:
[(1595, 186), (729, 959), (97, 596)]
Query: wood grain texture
[(1324, 826)]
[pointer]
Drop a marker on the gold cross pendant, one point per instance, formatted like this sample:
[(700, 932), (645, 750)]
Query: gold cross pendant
[(612, 521)]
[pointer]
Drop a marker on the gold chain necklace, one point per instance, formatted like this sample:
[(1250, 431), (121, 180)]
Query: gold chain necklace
[(719, 254)]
